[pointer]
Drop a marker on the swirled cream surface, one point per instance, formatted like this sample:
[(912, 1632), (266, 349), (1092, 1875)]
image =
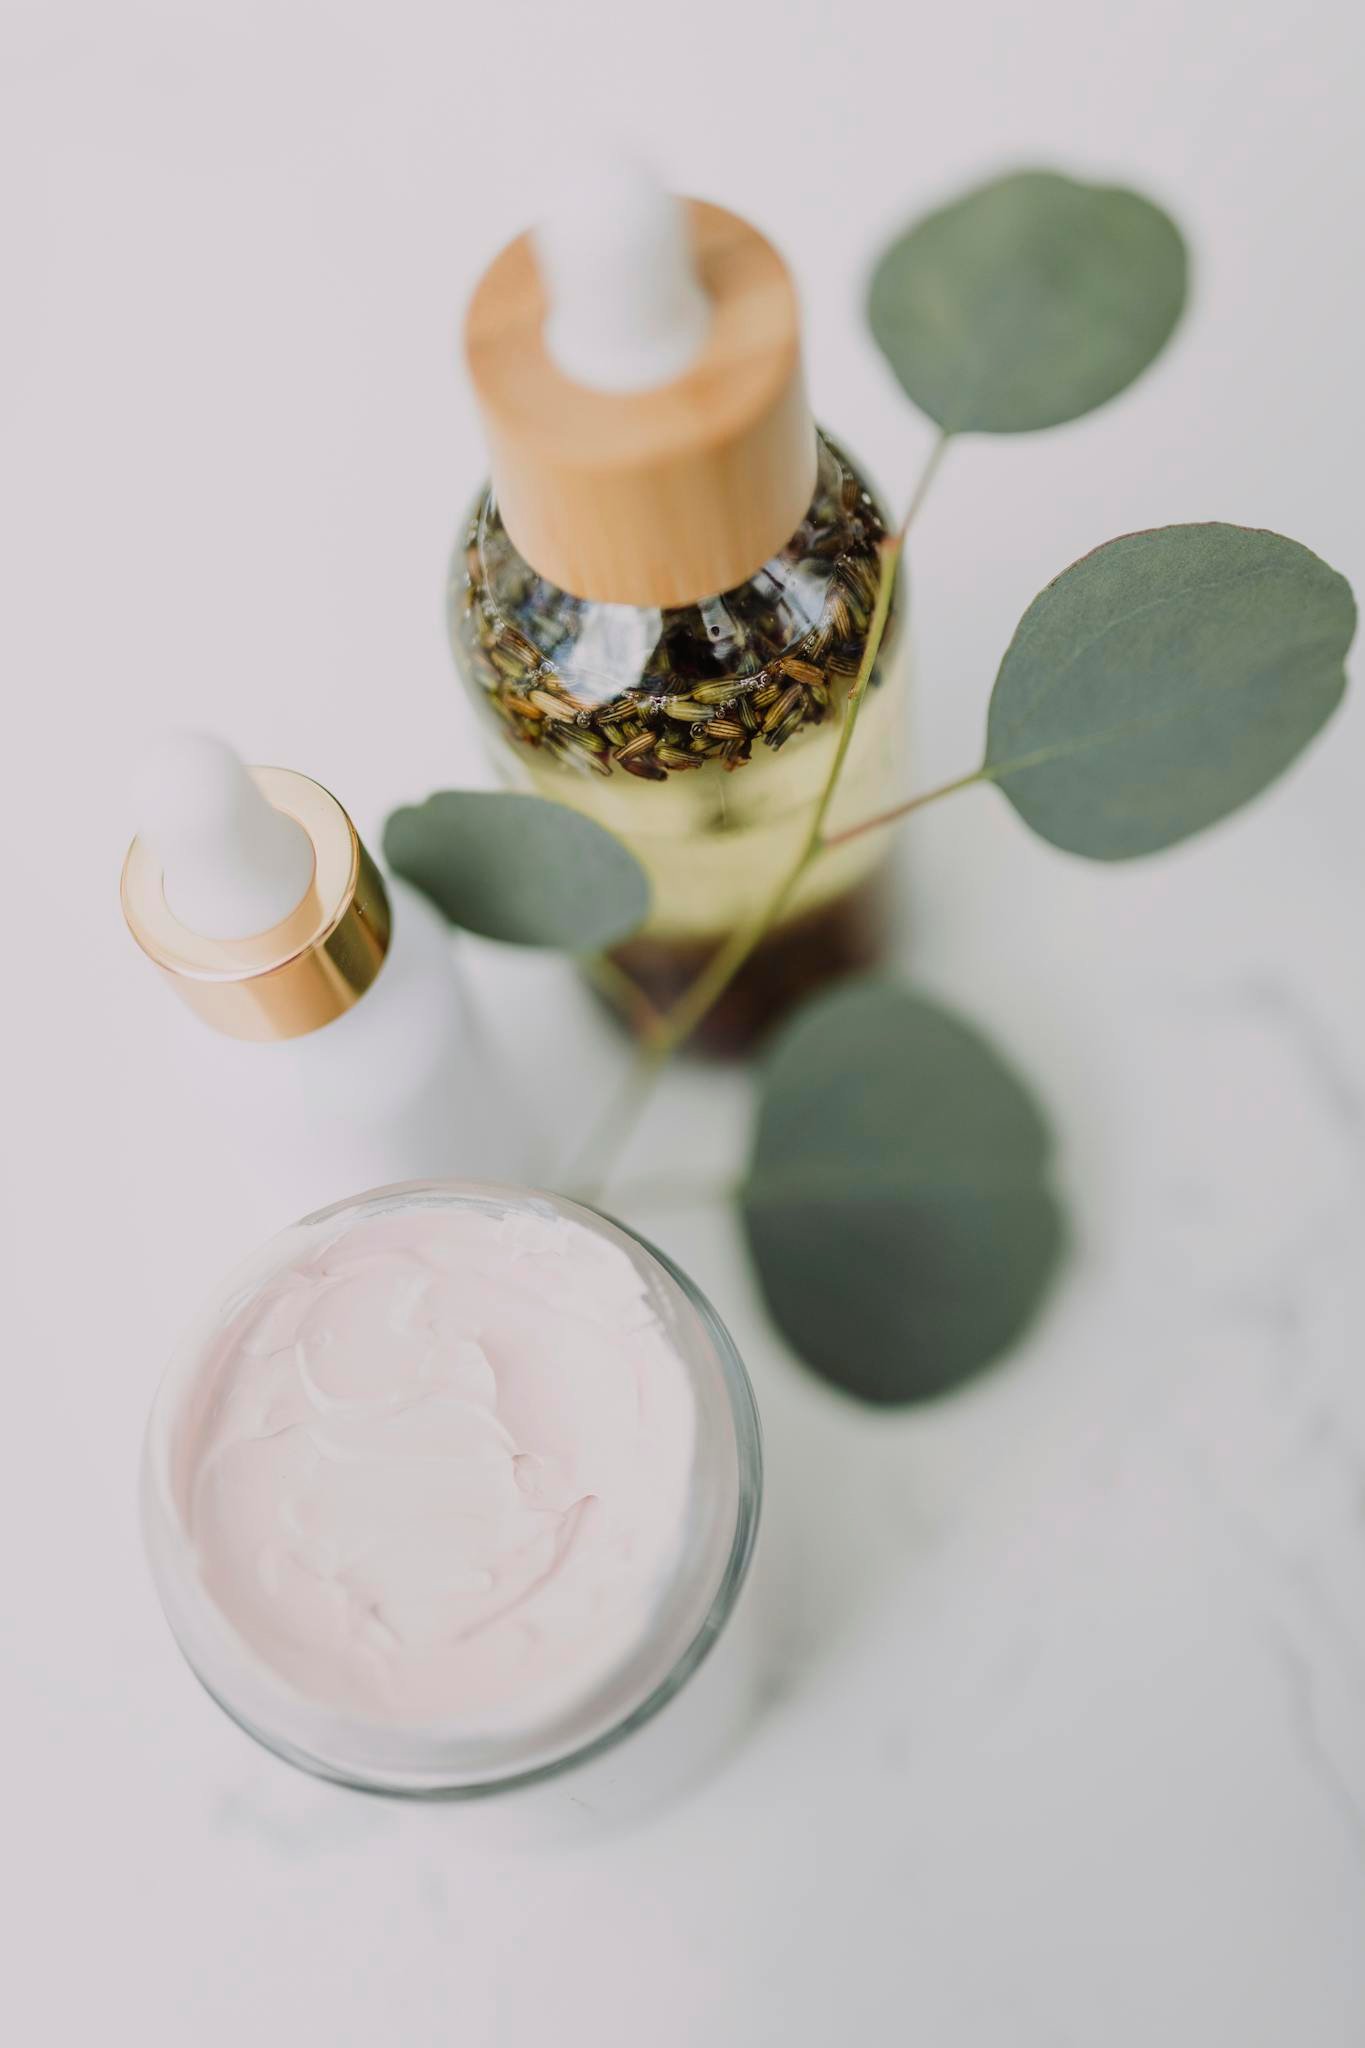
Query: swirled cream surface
[(438, 1471)]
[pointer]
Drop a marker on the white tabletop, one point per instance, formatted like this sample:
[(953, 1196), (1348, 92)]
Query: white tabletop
[(1065, 1736)]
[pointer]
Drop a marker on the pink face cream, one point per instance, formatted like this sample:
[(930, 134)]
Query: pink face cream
[(452, 1485)]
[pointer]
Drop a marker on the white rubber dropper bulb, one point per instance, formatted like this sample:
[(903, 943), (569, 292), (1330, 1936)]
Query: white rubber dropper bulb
[(232, 865), (626, 309)]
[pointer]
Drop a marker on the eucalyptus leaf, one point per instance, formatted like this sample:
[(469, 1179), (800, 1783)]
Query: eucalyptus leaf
[(897, 1202), (519, 868), (1030, 301), (1164, 680)]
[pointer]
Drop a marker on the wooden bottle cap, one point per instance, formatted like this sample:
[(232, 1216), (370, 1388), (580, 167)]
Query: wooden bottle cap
[(650, 498)]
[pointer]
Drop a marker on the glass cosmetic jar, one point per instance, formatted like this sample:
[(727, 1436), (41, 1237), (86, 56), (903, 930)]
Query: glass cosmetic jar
[(452, 1491)]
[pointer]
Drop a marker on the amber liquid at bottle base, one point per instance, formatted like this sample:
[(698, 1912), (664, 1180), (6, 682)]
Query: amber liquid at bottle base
[(702, 736)]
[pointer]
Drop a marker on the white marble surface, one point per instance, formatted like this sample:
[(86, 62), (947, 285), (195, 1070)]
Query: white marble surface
[(1065, 1735)]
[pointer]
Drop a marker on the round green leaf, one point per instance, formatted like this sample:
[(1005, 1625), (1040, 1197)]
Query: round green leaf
[(1162, 681), (519, 868), (897, 1204), (1029, 302)]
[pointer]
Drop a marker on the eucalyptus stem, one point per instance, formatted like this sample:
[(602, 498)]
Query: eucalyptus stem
[(926, 477), (705, 992), (697, 1000), (677, 1025), (586, 1179), (624, 994), (903, 810)]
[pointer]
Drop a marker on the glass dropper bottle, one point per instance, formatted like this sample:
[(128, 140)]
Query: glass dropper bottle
[(664, 594)]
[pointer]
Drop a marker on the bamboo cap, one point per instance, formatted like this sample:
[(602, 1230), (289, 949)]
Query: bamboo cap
[(652, 497)]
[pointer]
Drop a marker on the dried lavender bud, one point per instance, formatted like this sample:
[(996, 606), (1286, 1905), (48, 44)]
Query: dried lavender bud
[(772, 657)]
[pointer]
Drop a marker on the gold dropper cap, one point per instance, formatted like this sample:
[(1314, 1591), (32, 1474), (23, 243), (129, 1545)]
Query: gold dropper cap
[(306, 970), (659, 497)]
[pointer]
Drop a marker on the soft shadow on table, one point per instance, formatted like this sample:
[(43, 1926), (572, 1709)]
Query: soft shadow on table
[(844, 1523)]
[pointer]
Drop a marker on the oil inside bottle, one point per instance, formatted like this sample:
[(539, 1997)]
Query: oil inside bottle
[(702, 736)]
